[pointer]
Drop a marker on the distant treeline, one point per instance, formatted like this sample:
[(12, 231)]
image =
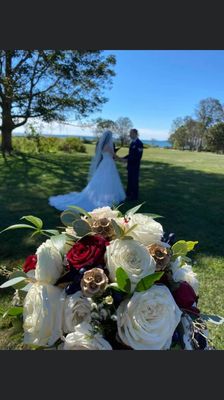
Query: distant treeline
[(205, 132)]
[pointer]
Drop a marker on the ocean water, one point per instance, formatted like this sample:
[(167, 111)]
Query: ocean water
[(153, 142)]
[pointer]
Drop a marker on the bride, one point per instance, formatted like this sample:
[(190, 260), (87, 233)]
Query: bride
[(104, 186)]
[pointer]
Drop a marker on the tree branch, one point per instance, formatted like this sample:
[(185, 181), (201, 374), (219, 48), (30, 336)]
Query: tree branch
[(14, 70)]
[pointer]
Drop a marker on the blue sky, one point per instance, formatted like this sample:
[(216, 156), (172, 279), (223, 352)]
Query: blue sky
[(153, 87)]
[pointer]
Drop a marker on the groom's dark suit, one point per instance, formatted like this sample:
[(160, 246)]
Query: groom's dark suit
[(133, 166)]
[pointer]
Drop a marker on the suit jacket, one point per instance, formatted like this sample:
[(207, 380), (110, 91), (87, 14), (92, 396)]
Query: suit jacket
[(135, 153)]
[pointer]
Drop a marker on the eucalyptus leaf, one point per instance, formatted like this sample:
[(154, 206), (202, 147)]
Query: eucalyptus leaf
[(68, 217), (81, 227), (12, 282), (134, 210), (123, 281), (37, 222), (214, 319), (18, 226), (146, 282), (81, 211)]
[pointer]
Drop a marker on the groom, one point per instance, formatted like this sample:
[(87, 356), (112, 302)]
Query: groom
[(133, 164)]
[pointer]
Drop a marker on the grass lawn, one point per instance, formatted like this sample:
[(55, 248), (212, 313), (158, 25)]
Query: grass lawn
[(186, 188)]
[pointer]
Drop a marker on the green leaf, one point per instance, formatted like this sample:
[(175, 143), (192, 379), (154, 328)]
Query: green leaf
[(51, 231), (117, 229), (12, 282), (153, 216), (36, 233), (126, 237), (181, 248), (13, 312), (191, 245), (22, 284), (131, 229), (81, 211), (123, 280), (134, 209), (18, 226), (146, 282), (16, 274), (68, 217), (81, 227), (37, 222), (114, 286)]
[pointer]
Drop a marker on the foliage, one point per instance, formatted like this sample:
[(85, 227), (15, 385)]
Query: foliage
[(193, 134), (188, 179), (48, 84), (123, 126), (215, 138), (43, 144)]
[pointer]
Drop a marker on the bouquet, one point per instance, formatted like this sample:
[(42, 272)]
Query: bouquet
[(108, 281)]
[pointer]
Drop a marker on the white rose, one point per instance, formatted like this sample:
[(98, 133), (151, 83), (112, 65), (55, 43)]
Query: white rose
[(132, 256), (83, 339), (186, 273), (148, 319), (42, 315), (147, 230), (104, 212), (76, 310), (49, 263)]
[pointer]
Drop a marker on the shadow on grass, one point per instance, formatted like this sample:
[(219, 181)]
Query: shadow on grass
[(191, 202)]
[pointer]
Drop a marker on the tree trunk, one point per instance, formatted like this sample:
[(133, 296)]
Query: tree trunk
[(6, 145), (7, 123)]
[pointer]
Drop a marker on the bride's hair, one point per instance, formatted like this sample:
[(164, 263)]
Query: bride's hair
[(106, 138)]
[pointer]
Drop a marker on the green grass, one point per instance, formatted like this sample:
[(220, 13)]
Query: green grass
[(186, 188)]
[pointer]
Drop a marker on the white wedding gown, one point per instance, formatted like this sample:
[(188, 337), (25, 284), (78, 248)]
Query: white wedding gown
[(104, 189)]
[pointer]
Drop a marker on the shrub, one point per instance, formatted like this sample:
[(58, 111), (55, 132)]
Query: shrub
[(43, 144), (69, 145)]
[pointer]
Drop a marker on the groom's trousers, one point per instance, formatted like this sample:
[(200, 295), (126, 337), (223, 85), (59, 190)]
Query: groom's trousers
[(133, 177)]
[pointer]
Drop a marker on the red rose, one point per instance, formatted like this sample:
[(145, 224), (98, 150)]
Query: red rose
[(87, 252), (185, 297), (30, 263)]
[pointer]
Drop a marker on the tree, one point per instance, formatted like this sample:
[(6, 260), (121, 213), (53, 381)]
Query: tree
[(215, 138), (178, 139), (123, 126), (103, 125), (208, 112), (50, 84)]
